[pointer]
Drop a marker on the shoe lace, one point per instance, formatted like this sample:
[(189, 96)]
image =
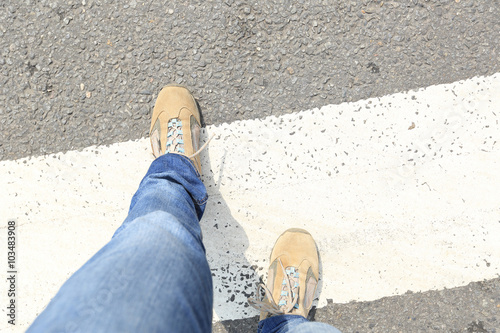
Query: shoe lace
[(288, 298), (175, 141), (202, 147)]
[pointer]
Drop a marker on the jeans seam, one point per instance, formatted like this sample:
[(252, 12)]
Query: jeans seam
[(205, 198), (202, 201), (192, 165)]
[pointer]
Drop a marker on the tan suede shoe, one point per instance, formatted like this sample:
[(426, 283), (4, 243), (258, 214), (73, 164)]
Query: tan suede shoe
[(292, 278), (175, 125)]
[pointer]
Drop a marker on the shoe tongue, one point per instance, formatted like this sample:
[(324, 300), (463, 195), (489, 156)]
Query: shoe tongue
[(289, 289), (175, 142)]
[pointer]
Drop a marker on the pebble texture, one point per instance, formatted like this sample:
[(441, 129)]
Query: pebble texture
[(81, 73)]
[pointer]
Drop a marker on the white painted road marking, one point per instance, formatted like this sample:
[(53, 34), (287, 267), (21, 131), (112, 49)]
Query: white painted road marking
[(400, 192)]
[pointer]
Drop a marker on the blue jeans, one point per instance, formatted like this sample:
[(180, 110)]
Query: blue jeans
[(153, 275)]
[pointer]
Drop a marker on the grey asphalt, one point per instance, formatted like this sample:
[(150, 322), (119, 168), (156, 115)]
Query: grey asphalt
[(474, 308), (80, 73)]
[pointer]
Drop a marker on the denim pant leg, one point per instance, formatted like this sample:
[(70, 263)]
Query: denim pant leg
[(153, 275), (293, 324)]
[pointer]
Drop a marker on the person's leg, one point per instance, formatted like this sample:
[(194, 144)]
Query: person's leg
[(291, 285), (293, 324), (153, 275)]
